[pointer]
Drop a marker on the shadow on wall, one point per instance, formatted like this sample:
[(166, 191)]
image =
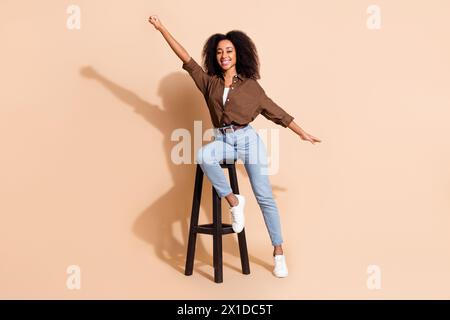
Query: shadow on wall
[(182, 105)]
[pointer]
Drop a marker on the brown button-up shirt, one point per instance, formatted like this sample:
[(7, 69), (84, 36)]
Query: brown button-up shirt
[(245, 101)]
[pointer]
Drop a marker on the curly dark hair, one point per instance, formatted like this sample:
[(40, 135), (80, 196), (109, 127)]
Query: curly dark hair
[(247, 56)]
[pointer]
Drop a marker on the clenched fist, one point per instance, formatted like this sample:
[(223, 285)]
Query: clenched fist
[(154, 20)]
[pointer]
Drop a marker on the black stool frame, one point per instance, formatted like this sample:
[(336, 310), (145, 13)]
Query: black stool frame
[(216, 229)]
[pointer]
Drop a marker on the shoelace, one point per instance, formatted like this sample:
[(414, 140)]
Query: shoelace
[(233, 214)]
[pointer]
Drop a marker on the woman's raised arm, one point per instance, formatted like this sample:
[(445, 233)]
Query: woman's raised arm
[(176, 47)]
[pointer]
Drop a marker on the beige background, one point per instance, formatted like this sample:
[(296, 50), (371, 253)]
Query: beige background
[(85, 170)]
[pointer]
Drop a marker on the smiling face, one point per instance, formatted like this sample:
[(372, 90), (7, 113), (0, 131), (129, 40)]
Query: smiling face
[(226, 55)]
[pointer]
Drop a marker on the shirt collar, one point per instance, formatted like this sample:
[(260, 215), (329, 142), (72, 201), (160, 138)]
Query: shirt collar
[(239, 75)]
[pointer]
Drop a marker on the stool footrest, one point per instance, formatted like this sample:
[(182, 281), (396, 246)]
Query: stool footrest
[(210, 228)]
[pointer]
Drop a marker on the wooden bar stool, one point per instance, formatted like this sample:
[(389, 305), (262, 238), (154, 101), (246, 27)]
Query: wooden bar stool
[(217, 228)]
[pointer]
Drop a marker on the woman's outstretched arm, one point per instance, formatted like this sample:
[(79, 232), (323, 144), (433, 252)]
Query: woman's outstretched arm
[(302, 133), (201, 78), (176, 47)]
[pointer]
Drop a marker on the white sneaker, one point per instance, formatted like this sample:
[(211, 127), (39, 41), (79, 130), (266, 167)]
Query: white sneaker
[(237, 214), (280, 270)]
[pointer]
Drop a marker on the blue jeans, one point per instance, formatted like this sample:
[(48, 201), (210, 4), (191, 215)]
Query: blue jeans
[(247, 145)]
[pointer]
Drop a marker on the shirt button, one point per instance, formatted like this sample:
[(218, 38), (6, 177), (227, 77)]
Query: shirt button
[(228, 99)]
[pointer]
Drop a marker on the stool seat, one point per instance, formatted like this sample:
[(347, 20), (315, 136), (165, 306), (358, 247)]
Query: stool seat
[(217, 228)]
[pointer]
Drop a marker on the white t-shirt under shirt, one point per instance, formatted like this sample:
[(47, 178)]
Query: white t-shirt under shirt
[(225, 94)]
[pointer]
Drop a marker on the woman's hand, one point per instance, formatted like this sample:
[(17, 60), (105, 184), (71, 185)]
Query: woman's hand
[(154, 20), (308, 137)]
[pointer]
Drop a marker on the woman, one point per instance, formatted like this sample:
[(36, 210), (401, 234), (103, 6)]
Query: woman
[(234, 99)]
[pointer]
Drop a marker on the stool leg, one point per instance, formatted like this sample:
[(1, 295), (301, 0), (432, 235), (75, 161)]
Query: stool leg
[(245, 264), (194, 221), (217, 237)]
